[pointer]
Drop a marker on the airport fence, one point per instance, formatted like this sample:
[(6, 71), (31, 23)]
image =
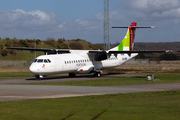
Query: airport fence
[(146, 63), (16, 63)]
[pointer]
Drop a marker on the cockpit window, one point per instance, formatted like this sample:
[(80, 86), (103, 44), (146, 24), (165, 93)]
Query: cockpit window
[(48, 60), (40, 60), (35, 60), (45, 61)]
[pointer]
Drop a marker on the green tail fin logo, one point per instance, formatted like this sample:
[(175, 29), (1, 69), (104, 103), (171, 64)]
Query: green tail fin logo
[(125, 44), (128, 41)]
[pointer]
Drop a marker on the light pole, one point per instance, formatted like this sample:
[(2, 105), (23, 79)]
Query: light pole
[(35, 44)]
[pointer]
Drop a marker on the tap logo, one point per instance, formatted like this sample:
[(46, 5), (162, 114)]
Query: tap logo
[(43, 66)]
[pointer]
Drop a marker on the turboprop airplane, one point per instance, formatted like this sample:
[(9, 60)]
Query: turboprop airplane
[(84, 61)]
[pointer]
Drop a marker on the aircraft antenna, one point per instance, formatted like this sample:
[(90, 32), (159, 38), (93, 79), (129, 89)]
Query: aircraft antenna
[(106, 25)]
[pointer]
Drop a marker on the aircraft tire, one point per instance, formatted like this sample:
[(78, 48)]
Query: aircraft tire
[(38, 77), (97, 74), (72, 75)]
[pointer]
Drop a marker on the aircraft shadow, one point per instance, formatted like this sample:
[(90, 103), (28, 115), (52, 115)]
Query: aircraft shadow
[(67, 77)]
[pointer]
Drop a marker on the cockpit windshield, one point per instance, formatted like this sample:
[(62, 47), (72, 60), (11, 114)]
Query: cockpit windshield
[(35, 60), (42, 60)]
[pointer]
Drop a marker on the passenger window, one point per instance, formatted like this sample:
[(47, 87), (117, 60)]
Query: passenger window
[(40, 60), (35, 60), (45, 61)]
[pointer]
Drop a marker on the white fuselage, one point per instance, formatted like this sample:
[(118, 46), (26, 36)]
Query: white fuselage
[(77, 61)]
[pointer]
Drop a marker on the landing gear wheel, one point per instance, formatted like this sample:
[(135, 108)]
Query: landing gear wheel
[(72, 75), (38, 77), (97, 74)]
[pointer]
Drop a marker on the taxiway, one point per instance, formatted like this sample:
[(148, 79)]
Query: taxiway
[(11, 92)]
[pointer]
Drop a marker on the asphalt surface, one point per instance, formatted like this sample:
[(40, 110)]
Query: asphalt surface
[(64, 78), (11, 92)]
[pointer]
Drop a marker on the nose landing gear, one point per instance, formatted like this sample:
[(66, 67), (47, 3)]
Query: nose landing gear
[(38, 77)]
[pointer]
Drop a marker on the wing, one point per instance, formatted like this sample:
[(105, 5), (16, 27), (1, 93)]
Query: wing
[(99, 54), (48, 51), (102, 55), (135, 51), (90, 51), (141, 51)]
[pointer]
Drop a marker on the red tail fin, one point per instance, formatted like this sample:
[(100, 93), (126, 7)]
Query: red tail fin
[(132, 29)]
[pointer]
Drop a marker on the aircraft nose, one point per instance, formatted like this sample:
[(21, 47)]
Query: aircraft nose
[(32, 69)]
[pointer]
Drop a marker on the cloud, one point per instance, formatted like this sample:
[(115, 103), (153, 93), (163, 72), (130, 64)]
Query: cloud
[(154, 4), (20, 19), (61, 25), (156, 10), (22, 24), (82, 22), (161, 13)]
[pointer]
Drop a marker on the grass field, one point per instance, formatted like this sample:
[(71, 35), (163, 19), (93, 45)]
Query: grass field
[(7, 75), (163, 105)]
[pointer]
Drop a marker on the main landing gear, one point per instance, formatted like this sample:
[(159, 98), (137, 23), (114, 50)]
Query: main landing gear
[(97, 73), (72, 75)]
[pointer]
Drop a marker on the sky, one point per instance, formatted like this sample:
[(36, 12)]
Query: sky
[(74, 19)]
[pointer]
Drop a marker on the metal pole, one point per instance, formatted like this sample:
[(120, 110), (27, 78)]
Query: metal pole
[(106, 25), (35, 44)]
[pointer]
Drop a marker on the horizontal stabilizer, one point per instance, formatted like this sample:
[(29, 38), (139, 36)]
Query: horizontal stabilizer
[(137, 27)]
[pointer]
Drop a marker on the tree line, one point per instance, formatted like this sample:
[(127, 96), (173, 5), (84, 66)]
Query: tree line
[(50, 43)]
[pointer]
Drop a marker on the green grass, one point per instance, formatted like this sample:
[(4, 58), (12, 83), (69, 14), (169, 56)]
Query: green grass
[(7, 75), (159, 78), (163, 105)]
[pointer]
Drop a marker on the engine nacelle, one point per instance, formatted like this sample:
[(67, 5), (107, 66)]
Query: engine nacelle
[(101, 56), (85, 69)]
